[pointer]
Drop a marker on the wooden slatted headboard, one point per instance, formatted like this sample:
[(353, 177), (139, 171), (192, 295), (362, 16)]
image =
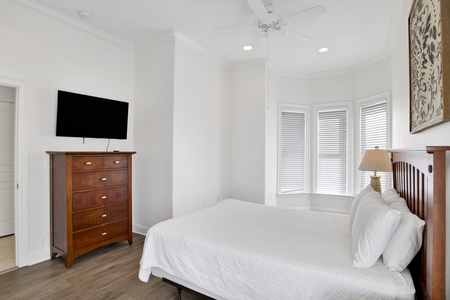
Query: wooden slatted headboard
[(419, 177)]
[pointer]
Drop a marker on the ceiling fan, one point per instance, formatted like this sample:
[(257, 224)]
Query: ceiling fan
[(269, 22)]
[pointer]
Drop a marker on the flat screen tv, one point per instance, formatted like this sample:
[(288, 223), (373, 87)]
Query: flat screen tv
[(91, 117)]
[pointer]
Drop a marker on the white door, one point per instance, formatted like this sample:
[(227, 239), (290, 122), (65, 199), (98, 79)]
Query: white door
[(7, 132)]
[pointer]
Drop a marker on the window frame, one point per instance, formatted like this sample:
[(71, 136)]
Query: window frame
[(307, 170), (350, 136), (369, 101)]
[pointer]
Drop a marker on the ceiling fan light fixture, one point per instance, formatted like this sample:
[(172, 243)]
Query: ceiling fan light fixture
[(323, 50), (247, 48)]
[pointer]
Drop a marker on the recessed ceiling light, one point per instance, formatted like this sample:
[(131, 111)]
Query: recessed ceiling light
[(322, 50), (84, 15), (247, 48)]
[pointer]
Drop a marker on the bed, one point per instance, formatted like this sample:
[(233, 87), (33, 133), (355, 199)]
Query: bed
[(241, 250)]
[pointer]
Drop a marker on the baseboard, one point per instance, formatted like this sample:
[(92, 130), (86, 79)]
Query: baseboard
[(38, 256), (139, 229)]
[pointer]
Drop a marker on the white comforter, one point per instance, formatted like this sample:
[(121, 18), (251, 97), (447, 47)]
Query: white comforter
[(241, 250)]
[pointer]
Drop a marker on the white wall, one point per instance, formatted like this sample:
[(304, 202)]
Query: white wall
[(200, 128), (290, 90), (153, 135), (333, 88), (373, 79), (247, 133), (181, 130), (401, 138), (49, 55)]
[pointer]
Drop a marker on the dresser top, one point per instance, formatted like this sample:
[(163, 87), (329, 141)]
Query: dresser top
[(90, 152)]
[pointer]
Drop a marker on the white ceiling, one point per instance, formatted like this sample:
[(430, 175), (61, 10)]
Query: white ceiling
[(355, 31)]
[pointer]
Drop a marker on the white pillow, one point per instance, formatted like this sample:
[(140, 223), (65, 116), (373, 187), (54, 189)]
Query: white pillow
[(399, 203), (356, 202), (375, 222), (390, 195), (406, 240)]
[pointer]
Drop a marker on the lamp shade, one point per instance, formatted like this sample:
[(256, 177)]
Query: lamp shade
[(376, 160)]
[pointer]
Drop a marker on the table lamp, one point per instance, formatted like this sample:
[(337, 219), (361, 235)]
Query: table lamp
[(376, 160)]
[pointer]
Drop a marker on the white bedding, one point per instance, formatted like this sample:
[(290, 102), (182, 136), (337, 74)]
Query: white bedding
[(241, 250)]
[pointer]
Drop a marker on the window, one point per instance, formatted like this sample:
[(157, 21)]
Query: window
[(373, 132), (332, 151), (292, 150), (339, 138)]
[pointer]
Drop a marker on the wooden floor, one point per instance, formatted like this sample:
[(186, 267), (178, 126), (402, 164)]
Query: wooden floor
[(7, 253), (110, 272)]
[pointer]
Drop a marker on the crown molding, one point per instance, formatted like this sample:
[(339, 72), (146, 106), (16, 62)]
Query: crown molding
[(398, 8), (176, 35), (374, 59), (257, 62), (360, 66), (167, 36), (331, 73), (314, 75), (56, 14), (264, 61), (199, 48), (335, 72), (286, 73)]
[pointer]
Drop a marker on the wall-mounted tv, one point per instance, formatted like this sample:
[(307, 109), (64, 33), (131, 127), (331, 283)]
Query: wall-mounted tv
[(91, 117)]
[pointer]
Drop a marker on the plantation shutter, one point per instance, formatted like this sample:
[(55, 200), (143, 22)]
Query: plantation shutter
[(373, 132), (293, 151), (332, 152)]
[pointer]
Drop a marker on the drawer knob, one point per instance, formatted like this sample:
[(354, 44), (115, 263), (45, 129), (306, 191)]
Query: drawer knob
[(103, 179), (104, 216), (88, 163), (104, 233), (103, 197), (117, 161)]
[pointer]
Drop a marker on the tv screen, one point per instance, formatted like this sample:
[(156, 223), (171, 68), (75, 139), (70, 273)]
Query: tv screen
[(93, 117)]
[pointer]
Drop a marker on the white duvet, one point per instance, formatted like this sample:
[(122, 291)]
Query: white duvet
[(241, 250)]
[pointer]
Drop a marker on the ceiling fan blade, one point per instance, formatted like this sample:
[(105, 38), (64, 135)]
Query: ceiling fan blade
[(236, 31), (298, 36), (306, 14), (254, 39), (259, 10)]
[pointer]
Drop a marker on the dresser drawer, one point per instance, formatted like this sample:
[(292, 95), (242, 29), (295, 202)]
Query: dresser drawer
[(99, 234), (115, 162), (94, 217), (92, 199), (94, 180), (86, 163)]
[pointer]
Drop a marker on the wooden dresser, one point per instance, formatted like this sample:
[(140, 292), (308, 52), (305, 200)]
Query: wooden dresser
[(90, 201)]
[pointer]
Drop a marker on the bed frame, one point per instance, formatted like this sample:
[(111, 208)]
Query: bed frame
[(419, 176)]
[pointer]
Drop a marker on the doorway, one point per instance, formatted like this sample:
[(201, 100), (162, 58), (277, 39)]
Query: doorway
[(7, 177), (18, 185)]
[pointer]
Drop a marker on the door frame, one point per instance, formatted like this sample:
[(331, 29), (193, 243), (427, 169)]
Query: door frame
[(20, 171)]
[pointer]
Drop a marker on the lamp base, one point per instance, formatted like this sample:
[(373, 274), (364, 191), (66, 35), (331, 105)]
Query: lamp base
[(375, 183)]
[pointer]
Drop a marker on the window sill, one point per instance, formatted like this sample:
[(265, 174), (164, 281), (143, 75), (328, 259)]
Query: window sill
[(293, 194)]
